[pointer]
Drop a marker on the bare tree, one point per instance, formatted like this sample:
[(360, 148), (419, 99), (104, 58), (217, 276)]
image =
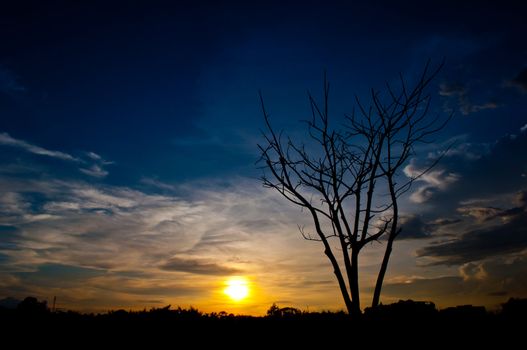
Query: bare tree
[(349, 179)]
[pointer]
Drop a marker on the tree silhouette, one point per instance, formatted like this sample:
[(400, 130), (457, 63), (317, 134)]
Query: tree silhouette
[(349, 179)]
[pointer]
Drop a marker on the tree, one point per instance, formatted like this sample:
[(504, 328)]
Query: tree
[(339, 175)]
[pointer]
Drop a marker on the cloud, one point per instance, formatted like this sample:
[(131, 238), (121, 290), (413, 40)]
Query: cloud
[(197, 266), (460, 93), (519, 81), (93, 156), (452, 89), (481, 214), (425, 288), (420, 227), (444, 222), (481, 107), (489, 203), (496, 170), (460, 149), (523, 128), (98, 158), (157, 184), (482, 283), (434, 181), (471, 271), (163, 246), (12, 203), (496, 238), (95, 171), (7, 140), (521, 198), (413, 227)]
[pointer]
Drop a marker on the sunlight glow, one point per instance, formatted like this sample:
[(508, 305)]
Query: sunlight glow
[(237, 288)]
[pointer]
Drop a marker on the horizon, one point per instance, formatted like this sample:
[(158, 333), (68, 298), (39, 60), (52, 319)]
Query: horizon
[(35, 307), (128, 151)]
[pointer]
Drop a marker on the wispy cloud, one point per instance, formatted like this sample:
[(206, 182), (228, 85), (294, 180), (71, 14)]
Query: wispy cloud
[(460, 93), (98, 158), (197, 266), (481, 214), (178, 246), (93, 156), (482, 283), (487, 202), (7, 140), (452, 89), (434, 181), (485, 171), (210, 233), (157, 184), (461, 149), (489, 238), (96, 169)]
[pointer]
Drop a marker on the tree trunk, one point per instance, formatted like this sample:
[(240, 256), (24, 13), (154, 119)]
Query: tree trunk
[(382, 271), (355, 311), (342, 285)]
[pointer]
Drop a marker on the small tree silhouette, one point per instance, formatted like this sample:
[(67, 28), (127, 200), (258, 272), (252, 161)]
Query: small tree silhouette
[(339, 176), (31, 306)]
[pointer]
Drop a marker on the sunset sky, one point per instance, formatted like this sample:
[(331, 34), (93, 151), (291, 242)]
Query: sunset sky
[(128, 149)]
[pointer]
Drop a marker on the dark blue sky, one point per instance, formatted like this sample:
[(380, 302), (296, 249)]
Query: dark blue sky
[(128, 136), (169, 89)]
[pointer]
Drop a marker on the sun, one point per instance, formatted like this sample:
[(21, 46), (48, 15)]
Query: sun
[(237, 288)]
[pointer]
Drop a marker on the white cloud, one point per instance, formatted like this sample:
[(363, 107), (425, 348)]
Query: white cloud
[(98, 158), (434, 181), (7, 140), (119, 228), (95, 171), (119, 231), (467, 150), (157, 184), (523, 128), (93, 155)]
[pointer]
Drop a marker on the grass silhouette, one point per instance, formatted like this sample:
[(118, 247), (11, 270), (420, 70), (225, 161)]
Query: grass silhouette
[(404, 321)]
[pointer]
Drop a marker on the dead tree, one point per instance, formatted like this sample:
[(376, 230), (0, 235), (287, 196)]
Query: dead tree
[(349, 179)]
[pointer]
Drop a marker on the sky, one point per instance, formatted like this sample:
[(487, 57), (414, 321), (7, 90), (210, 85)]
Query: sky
[(128, 149)]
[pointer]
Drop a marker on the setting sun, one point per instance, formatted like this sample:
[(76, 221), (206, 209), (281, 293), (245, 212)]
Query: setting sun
[(237, 288)]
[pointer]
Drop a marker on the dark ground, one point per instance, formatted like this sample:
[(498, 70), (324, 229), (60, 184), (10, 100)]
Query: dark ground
[(406, 323)]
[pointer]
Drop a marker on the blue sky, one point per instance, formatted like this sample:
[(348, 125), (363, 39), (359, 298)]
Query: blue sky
[(129, 132)]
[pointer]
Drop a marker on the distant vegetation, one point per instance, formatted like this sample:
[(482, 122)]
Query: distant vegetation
[(404, 322), (404, 310)]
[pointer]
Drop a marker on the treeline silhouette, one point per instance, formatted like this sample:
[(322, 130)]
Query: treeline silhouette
[(513, 309), (402, 322)]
